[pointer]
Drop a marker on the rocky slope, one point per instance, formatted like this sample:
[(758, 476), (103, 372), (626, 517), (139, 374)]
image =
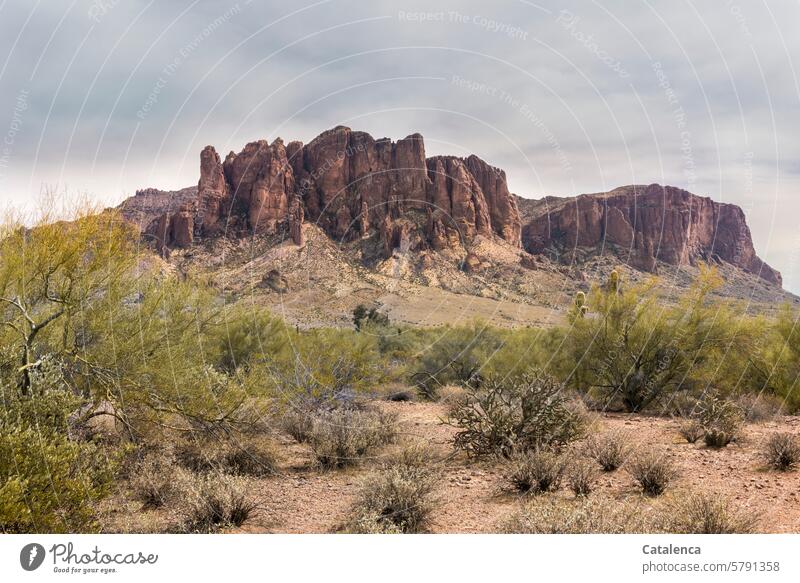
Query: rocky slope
[(395, 209)]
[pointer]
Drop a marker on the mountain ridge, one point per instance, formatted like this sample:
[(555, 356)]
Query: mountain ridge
[(355, 187)]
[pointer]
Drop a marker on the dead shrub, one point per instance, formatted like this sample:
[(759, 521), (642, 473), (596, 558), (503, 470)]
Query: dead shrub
[(398, 497), (782, 451), (249, 457), (707, 514), (153, 479), (653, 472), (215, 501), (298, 422), (536, 471), (691, 431), (343, 437), (759, 408), (582, 475), (502, 416), (578, 516), (609, 450), (245, 456)]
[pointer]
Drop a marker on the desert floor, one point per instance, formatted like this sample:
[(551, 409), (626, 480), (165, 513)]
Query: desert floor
[(473, 497)]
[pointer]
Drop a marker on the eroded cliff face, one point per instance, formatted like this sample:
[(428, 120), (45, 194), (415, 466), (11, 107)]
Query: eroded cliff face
[(352, 186), (356, 187), (644, 224)]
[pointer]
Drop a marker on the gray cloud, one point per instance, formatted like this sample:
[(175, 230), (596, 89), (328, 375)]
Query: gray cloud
[(107, 96)]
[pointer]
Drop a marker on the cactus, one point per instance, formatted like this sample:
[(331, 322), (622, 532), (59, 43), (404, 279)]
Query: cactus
[(613, 281), (580, 304)]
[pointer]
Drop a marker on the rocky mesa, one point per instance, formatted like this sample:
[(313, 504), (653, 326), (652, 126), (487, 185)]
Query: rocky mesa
[(354, 186)]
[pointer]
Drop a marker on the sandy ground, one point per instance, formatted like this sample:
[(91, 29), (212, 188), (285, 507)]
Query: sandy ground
[(473, 498)]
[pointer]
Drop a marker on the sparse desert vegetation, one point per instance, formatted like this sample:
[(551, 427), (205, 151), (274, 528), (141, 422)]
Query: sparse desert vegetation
[(137, 400)]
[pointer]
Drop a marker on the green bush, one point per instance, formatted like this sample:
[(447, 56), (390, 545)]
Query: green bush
[(454, 356), (48, 482), (501, 416)]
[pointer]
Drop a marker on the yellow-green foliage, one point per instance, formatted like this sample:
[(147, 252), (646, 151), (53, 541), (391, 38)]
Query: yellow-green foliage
[(48, 482), (634, 349)]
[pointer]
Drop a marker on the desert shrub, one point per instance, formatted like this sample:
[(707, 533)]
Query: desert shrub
[(325, 369), (153, 480), (343, 437), (609, 450), (653, 472), (722, 421), (707, 514), (455, 356), (48, 482), (683, 404), (214, 501), (782, 451), (759, 407), (581, 475), (501, 416), (249, 457), (298, 422), (580, 516), (368, 317), (231, 454), (536, 471), (245, 336), (398, 497), (691, 431)]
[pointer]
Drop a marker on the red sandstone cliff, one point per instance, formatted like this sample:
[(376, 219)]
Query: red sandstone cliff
[(354, 186), (644, 224)]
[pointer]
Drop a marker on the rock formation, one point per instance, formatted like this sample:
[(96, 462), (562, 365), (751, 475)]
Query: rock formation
[(352, 186), (646, 224), (356, 187)]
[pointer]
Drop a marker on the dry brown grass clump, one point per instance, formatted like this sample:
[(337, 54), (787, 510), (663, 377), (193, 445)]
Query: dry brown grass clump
[(536, 471), (251, 456), (782, 451), (653, 472), (214, 501), (297, 422), (707, 514), (153, 479), (582, 475), (691, 431), (578, 516), (398, 497), (609, 450), (344, 437)]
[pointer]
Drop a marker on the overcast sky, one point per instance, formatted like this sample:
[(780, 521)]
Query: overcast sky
[(107, 96)]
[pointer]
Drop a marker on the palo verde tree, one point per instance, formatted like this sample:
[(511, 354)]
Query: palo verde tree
[(635, 349), (48, 274)]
